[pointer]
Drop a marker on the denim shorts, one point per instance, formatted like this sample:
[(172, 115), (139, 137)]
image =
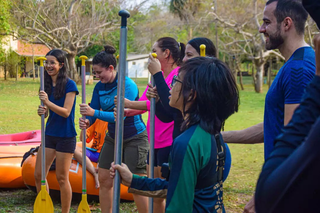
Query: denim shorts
[(61, 144), (135, 151)]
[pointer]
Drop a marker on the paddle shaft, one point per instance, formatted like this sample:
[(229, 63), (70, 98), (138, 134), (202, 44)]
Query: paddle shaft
[(151, 153), (84, 131), (120, 107), (43, 142)]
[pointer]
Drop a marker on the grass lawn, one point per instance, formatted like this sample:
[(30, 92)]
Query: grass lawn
[(18, 113)]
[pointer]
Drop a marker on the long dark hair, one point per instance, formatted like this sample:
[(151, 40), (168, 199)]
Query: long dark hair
[(211, 50), (62, 78), (177, 49), (210, 88), (105, 58)]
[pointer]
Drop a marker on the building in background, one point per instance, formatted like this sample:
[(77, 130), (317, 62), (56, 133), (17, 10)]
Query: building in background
[(137, 66), (28, 52)]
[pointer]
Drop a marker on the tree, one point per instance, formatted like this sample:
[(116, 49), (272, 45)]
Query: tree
[(71, 25), (5, 22), (153, 23), (240, 36), (186, 10)]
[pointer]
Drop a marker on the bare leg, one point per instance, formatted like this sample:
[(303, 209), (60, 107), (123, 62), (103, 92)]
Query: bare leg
[(159, 204), (50, 155), (90, 167), (250, 208), (141, 201), (63, 162), (106, 190)]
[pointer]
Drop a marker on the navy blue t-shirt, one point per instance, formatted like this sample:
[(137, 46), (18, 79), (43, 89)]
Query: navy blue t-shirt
[(287, 88), (57, 125)]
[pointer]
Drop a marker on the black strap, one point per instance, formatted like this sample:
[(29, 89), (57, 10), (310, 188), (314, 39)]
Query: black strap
[(221, 152)]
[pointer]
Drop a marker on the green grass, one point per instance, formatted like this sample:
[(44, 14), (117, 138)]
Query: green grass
[(18, 112)]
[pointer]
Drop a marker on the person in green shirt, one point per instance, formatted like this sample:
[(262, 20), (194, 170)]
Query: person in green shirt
[(206, 93)]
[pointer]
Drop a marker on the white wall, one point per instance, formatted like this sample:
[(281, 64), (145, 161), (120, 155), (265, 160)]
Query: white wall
[(139, 69), (9, 42)]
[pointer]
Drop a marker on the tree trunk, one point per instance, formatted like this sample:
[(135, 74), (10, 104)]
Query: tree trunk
[(33, 71), (252, 74), (241, 81), (17, 72), (190, 32), (238, 70), (5, 68), (234, 69), (73, 73), (33, 67), (259, 77)]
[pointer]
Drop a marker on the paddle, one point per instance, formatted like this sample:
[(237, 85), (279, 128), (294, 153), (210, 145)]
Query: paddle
[(202, 50), (151, 155), (43, 202), (84, 206), (120, 107)]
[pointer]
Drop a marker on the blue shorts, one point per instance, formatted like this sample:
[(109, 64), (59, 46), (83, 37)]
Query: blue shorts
[(60, 144), (160, 156), (93, 156)]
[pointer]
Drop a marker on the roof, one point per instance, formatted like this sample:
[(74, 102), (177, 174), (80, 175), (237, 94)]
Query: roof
[(132, 57), (25, 49)]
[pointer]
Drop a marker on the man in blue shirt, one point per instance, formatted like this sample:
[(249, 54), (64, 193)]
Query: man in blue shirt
[(283, 28)]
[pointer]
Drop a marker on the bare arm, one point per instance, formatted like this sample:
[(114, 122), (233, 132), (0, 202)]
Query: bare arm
[(288, 112), (133, 112), (62, 111), (139, 105), (128, 112), (251, 135)]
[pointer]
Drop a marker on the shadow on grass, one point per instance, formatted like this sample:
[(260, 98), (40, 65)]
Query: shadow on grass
[(22, 200)]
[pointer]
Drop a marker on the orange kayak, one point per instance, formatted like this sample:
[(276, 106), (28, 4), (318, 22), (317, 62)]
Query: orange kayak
[(75, 177), (10, 165)]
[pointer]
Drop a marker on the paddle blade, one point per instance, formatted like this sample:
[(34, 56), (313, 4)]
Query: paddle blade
[(43, 202), (84, 206)]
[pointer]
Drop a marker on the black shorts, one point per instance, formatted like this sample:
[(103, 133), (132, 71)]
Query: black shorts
[(135, 150), (160, 156), (61, 144)]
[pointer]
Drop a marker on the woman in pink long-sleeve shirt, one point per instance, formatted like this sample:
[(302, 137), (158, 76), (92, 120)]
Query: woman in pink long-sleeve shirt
[(170, 54)]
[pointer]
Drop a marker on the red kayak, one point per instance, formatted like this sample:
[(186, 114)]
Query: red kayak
[(13, 147), (23, 138)]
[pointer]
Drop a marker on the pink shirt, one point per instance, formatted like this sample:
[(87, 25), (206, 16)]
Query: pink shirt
[(163, 131)]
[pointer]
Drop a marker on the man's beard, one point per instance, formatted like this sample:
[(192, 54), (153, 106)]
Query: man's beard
[(274, 41)]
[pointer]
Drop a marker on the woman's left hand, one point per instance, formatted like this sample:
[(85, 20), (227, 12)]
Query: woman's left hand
[(154, 65), (86, 110), (43, 96)]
